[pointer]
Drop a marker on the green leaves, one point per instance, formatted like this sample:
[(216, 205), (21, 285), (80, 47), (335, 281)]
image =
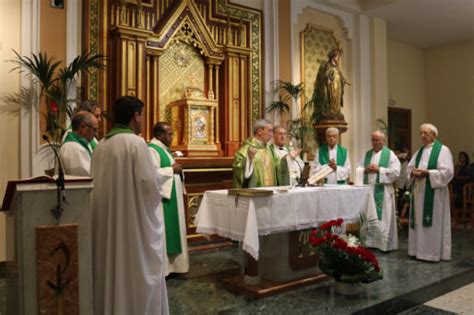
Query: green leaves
[(55, 82)]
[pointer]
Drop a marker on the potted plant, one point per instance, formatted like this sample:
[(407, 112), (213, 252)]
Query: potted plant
[(299, 128), (54, 85), (343, 257)]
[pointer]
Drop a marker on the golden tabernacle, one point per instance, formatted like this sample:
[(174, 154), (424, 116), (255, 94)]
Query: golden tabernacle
[(193, 122)]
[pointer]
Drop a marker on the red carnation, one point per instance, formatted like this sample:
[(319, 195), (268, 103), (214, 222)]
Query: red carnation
[(54, 107)]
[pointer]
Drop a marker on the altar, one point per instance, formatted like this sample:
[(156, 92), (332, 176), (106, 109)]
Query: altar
[(262, 223)]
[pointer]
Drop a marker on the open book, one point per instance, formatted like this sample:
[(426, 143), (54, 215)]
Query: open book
[(320, 175)]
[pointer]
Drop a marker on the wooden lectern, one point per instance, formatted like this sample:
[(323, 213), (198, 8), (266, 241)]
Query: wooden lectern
[(49, 265)]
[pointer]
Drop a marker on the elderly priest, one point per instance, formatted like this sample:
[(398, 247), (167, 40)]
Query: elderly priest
[(381, 171), (430, 169), (254, 162), (127, 228), (289, 165), (176, 258), (335, 156), (76, 152)]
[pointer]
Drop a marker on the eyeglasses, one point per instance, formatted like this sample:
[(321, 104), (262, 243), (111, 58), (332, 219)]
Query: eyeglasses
[(93, 128)]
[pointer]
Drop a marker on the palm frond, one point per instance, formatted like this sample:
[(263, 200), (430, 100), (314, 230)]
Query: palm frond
[(279, 106), (82, 63), (39, 67)]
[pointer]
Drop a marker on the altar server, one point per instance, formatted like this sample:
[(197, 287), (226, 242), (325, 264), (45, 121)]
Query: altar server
[(127, 226), (381, 171), (430, 170), (176, 258)]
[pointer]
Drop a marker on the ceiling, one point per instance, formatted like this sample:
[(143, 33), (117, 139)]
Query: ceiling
[(421, 23)]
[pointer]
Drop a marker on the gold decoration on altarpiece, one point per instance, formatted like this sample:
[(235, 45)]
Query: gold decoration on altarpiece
[(192, 119)]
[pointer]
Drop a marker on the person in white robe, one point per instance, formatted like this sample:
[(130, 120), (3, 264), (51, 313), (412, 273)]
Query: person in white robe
[(430, 170), (176, 245), (75, 152), (127, 228), (335, 156), (381, 171), (289, 165), (92, 107)]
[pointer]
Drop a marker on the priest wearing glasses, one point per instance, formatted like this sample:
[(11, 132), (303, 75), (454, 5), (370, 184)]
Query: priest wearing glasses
[(430, 170), (381, 171), (76, 152)]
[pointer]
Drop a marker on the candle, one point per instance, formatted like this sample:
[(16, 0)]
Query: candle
[(359, 178)]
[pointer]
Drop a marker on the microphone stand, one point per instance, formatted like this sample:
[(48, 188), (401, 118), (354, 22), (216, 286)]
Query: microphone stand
[(60, 190), (301, 180)]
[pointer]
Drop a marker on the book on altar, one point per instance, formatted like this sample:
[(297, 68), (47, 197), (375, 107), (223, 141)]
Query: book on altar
[(320, 175)]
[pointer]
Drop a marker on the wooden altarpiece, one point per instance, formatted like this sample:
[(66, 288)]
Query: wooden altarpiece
[(137, 37)]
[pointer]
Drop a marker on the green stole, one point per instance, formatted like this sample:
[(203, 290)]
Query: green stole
[(379, 188), (74, 137), (170, 207), (341, 158), (118, 129), (429, 192), (93, 144)]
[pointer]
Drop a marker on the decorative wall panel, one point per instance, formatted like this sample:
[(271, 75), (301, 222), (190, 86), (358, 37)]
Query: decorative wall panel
[(181, 66), (316, 42)]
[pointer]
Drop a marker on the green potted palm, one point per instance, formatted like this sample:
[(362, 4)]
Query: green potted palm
[(300, 127), (54, 85)]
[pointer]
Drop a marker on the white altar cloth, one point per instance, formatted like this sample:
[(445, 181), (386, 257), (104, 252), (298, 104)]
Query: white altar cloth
[(244, 218)]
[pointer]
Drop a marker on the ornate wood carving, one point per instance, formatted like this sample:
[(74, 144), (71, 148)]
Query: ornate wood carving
[(135, 35)]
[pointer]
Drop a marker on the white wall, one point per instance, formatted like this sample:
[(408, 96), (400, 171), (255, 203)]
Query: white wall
[(406, 83), (9, 83), (449, 77)]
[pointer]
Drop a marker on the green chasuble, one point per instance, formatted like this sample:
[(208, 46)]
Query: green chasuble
[(281, 167), (170, 207), (429, 191), (264, 169), (341, 158), (379, 188), (74, 137)]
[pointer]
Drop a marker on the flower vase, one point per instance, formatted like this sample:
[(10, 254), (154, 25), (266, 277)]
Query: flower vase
[(348, 289)]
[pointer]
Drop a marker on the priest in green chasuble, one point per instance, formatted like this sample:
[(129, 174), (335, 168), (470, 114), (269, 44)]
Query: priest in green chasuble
[(177, 258), (288, 164), (254, 162), (335, 156), (75, 152), (381, 171), (127, 226), (430, 170)]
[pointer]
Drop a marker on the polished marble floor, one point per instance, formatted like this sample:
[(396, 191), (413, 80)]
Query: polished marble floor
[(409, 286), (406, 284)]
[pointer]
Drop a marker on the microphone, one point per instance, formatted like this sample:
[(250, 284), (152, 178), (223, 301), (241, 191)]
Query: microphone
[(57, 212)]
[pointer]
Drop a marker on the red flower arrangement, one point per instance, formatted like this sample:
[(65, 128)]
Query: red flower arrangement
[(342, 257)]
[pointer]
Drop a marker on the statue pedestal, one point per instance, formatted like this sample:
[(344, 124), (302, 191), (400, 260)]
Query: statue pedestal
[(49, 266), (323, 125)]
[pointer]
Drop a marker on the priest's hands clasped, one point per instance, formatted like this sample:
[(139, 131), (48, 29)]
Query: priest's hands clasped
[(372, 168), (419, 173), (177, 168), (332, 164)]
